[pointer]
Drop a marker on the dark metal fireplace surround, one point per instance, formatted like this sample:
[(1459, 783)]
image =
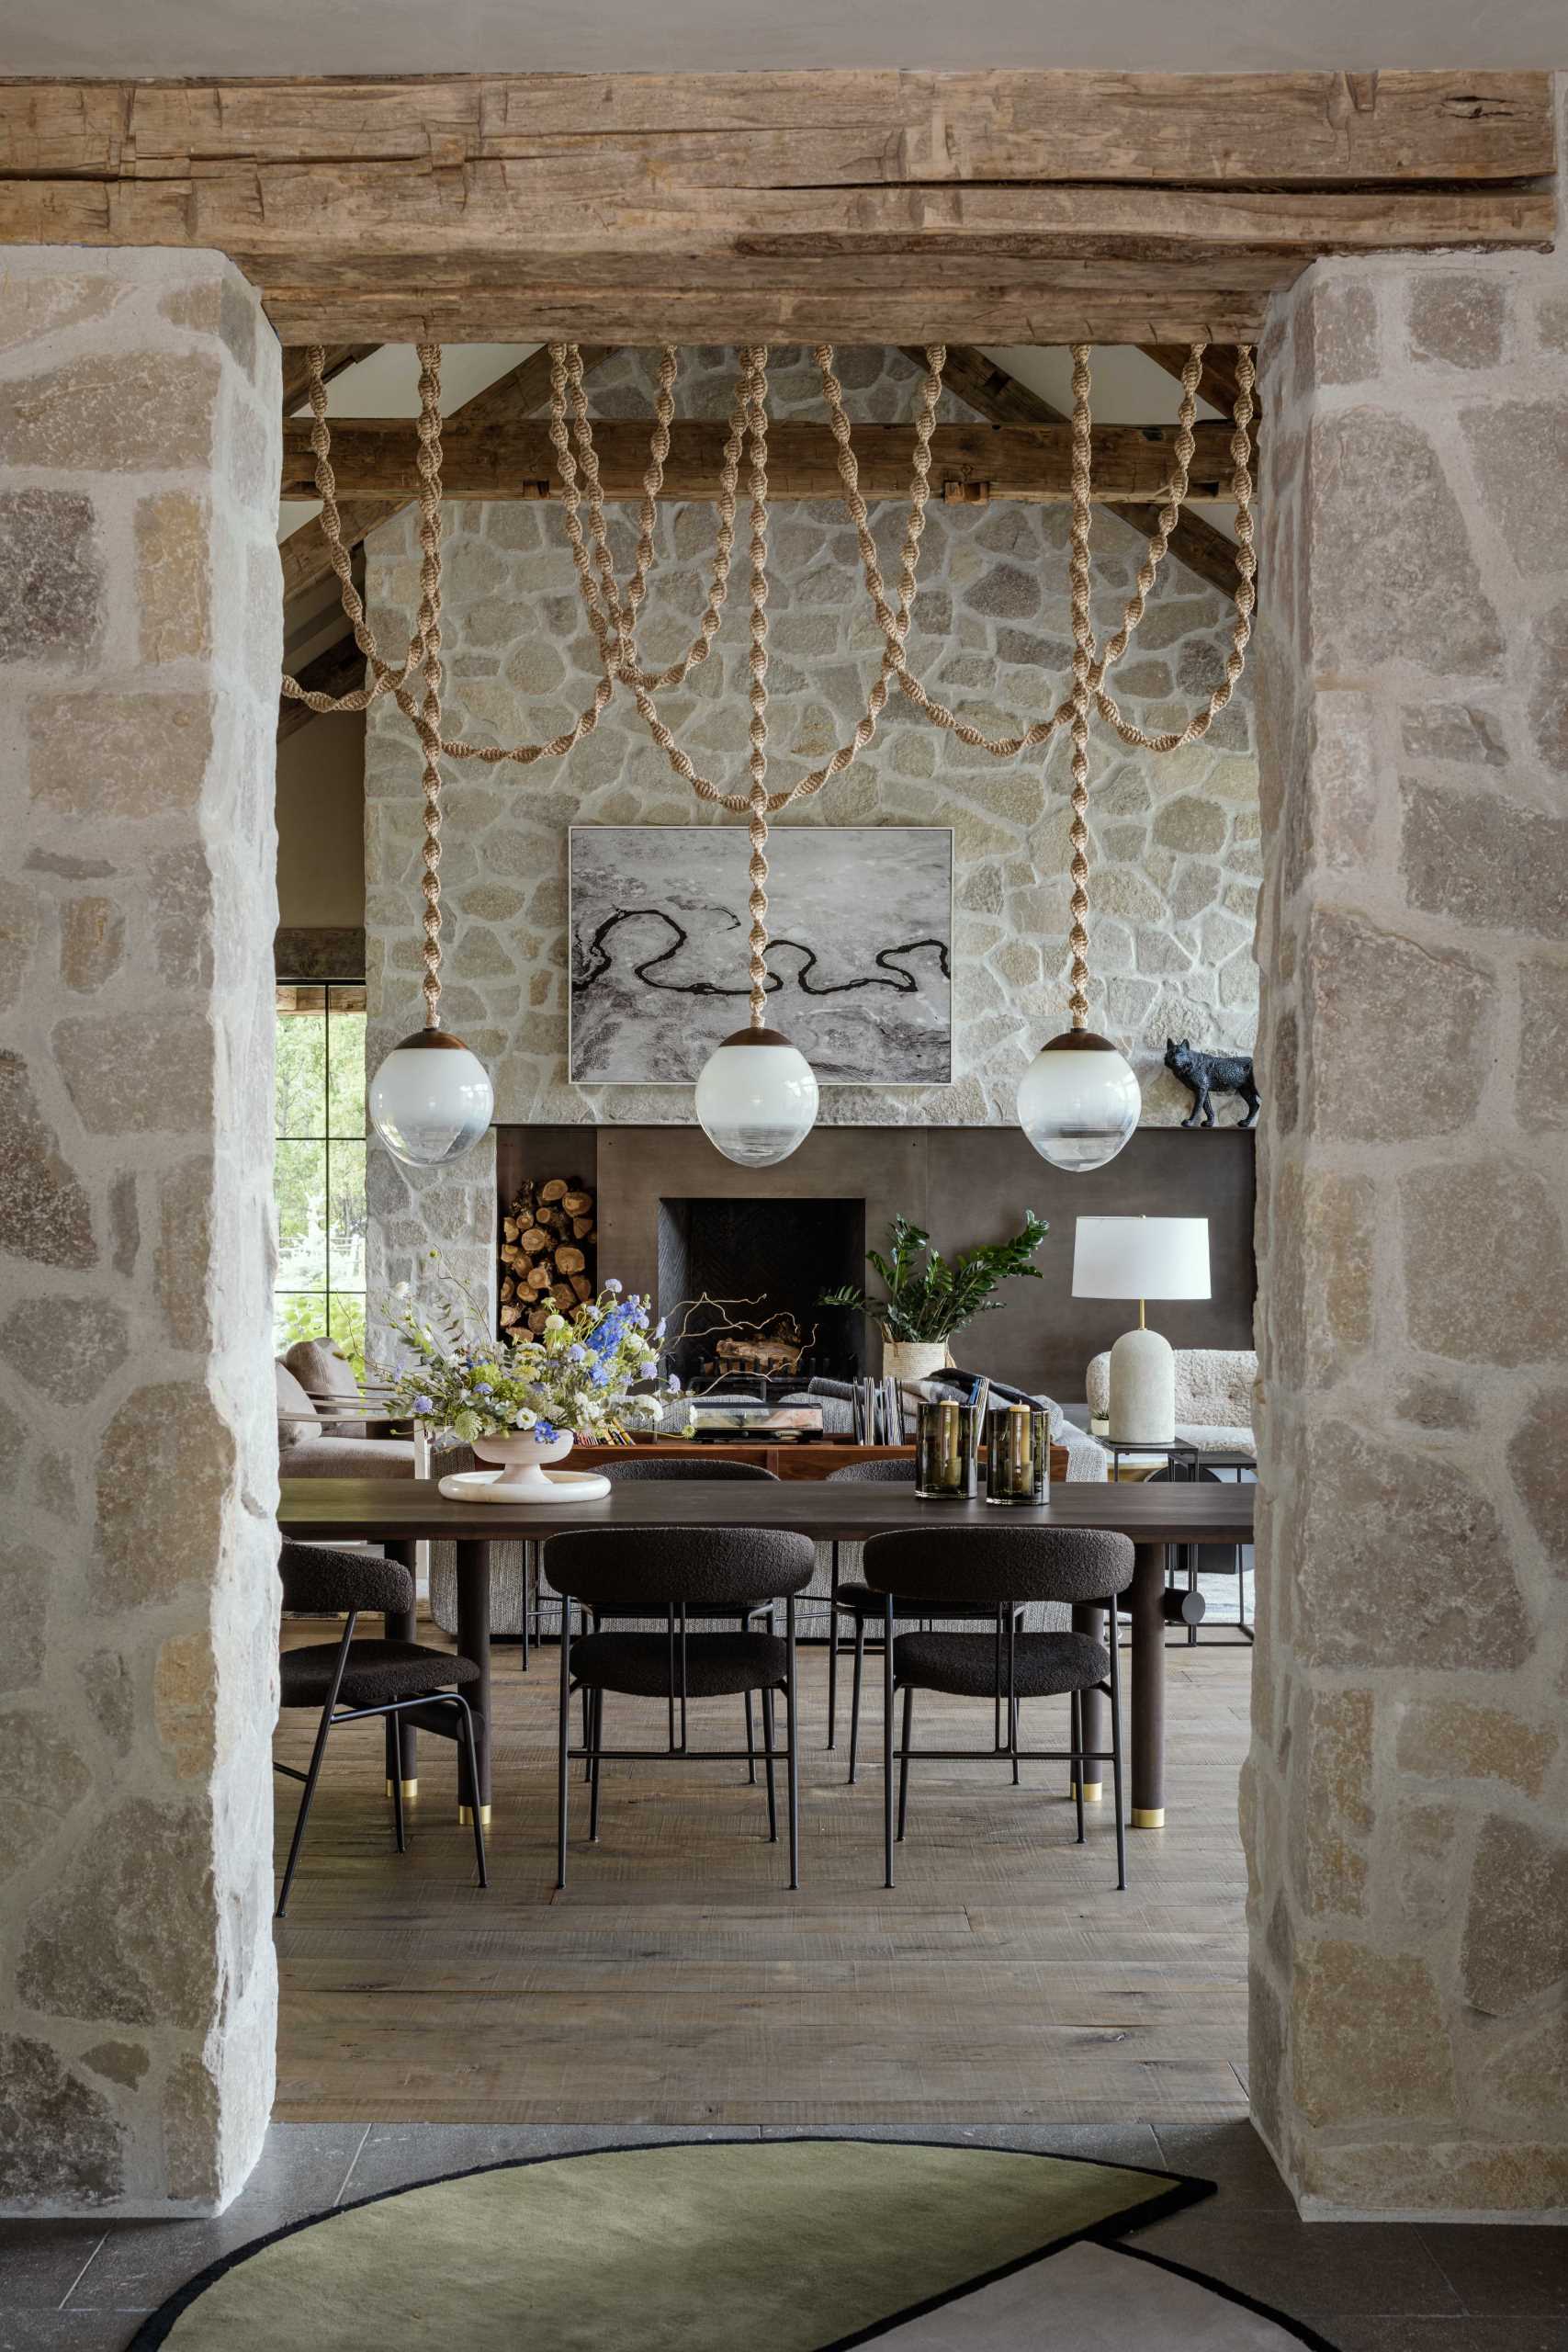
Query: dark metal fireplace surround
[(963, 1184), (760, 1261)]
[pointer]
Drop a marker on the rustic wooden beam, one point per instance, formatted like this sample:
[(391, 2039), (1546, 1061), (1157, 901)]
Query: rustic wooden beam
[(1216, 381), (297, 370), (879, 206), (994, 393), (375, 456), (511, 397), (339, 668)]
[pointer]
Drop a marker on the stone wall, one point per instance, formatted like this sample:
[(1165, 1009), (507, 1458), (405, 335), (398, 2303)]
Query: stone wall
[(1407, 1791), (1176, 847), (139, 635)]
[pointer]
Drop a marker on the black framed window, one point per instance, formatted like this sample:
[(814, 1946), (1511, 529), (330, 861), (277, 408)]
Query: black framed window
[(319, 1180)]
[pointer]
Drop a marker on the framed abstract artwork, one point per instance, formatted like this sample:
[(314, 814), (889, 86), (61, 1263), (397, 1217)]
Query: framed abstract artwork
[(860, 919)]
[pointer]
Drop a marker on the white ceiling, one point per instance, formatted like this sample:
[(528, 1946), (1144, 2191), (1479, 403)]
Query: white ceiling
[(103, 37)]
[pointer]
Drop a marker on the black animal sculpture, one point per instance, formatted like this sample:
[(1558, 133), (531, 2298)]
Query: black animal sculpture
[(1232, 1073)]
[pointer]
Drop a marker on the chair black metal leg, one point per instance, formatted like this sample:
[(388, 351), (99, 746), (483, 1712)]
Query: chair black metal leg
[(1116, 1760), (834, 1647), (1013, 1713), (527, 1571), (750, 1745), (887, 1740), (768, 1755), (904, 1759), (587, 1733), (854, 1695), (1075, 1740), (597, 1742), (318, 1750), (792, 1769), (564, 1774), (466, 1725), (398, 1829), (1013, 1692)]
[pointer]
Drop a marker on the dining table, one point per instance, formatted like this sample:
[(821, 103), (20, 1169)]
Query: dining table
[(399, 1513)]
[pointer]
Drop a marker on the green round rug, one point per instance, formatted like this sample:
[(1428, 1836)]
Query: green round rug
[(805, 2245)]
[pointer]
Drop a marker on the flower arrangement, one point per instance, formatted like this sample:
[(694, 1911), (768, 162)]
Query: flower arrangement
[(575, 1378)]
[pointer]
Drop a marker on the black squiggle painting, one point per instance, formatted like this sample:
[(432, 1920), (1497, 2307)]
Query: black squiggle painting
[(860, 921)]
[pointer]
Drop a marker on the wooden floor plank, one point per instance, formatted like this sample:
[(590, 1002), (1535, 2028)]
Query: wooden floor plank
[(1003, 1979)]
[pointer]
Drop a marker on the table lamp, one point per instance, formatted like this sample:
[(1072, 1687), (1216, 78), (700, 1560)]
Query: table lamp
[(1142, 1257)]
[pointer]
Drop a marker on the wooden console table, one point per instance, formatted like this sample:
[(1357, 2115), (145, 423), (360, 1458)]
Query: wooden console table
[(795, 1458)]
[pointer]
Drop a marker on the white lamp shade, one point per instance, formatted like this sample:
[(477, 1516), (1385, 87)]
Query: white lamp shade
[(756, 1098), (1079, 1101), (1141, 1257), (431, 1100)]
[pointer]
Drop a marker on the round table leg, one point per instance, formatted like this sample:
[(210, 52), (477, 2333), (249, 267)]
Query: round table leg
[(473, 1642), (1148, 1687), (403, 1740)]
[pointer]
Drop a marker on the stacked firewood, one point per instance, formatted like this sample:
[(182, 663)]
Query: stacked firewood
[(547, 1238)]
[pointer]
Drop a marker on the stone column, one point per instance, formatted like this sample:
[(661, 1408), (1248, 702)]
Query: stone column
[(139, 639), (1407, 1799)]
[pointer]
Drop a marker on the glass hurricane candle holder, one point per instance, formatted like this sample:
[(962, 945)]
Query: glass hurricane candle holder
[(947, 1451), (1018, 1454)]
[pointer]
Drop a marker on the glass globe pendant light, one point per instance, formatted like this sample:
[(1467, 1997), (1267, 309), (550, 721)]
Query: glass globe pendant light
[(431, 1100), (1079, 1099), (756, 1092)]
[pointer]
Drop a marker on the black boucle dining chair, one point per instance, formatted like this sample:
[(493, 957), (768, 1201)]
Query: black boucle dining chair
[(349, 1681)]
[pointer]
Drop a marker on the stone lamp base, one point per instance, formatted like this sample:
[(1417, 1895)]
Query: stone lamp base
[(1143, 1389)]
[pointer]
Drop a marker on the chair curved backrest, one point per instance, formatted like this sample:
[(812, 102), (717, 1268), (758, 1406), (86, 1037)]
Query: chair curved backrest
[(872, 1473), (622, 1568), (683, 1465), (319, 1582), (995, 1565)]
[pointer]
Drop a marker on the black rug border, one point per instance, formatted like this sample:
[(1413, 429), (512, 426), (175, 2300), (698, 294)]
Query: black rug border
[(1295, 2327), (1187, 2188)]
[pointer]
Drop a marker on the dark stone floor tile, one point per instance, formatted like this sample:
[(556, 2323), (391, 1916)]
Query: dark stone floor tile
[(35, 2330), (1386, 2335), (40, 2262), (302, 2170), (1497, 2271), (397, 2155), (1234, 2157), (1297, 2266)]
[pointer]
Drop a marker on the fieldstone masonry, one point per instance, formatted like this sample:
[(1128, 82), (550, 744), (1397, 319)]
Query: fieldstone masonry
[(1406, 1797), (1176, 848), (140, 644)]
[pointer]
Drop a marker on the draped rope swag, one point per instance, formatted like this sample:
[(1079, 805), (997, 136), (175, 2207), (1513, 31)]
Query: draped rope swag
[(613, 612)]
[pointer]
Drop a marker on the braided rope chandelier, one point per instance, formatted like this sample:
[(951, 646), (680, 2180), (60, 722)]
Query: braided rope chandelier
[(756, 1097)]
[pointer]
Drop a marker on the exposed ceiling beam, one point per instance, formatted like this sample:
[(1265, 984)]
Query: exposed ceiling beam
[(297, 370), (996, 394), (1216, 379), (338, 670), (881, 207), (510, 399), (376, 457)]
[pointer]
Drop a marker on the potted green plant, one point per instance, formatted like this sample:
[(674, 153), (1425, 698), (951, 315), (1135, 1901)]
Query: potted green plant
[(928, 1297)]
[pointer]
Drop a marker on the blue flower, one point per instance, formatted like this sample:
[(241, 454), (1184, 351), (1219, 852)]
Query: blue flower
[(614, 1287), (674, 1383), (577, 1352), (483, 1388), (660, 1328), (424, 1404), (601, 1375), (546, 1432)]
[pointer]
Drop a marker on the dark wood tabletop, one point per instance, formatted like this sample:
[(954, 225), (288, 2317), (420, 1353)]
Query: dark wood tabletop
[(414, 1511)]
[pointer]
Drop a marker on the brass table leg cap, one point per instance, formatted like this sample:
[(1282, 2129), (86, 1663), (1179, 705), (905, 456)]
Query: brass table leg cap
[(410, 1789), (1148, 1816), (1092, 1791), (465, 1817)]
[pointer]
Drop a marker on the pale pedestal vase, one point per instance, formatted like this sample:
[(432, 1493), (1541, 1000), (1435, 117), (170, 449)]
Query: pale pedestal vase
[(913, 1358), (522, 1456), (1143, 1390)]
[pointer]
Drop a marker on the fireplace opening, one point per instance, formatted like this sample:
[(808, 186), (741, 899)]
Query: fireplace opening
[(739, 1283)]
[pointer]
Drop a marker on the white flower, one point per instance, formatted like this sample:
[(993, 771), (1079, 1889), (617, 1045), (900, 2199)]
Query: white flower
[(555, 1322), (402, 1290), (524, 1417)]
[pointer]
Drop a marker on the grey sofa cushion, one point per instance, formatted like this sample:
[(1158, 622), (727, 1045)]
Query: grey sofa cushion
[(352, 1457), (323, 1371), (292, 1399)]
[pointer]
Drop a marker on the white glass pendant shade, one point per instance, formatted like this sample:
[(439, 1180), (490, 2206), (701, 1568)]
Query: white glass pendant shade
[(1078, 1102), (431, 1100), (756, 1098)]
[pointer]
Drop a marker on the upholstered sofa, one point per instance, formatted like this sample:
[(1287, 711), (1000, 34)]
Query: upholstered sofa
[(333, 1444), (1213, 1396)]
